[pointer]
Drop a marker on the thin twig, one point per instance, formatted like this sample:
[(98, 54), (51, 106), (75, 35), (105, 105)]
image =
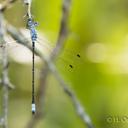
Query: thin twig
[(6, 4), (63, 32), (4, 81), (4, 73)]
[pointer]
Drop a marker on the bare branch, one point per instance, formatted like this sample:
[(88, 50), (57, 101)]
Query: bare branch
[(63, 32), (79, 109), (6, 4), (4, 81), (4, 73), (10, 85)]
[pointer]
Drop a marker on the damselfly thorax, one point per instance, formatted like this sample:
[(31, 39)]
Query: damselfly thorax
[(19, 53)]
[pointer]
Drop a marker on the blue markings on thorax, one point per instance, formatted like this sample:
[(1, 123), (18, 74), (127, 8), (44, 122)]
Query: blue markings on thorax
[(31, 26)]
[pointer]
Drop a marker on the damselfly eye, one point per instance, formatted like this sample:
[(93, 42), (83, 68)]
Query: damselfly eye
[(29, 23)]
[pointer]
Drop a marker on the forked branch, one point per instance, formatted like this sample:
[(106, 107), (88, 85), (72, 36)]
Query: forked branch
[(49, 66)]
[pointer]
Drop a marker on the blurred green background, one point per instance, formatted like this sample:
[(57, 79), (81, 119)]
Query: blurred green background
[(99, 33)]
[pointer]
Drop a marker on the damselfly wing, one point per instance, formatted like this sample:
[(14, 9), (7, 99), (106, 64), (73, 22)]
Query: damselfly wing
[(69, 57)]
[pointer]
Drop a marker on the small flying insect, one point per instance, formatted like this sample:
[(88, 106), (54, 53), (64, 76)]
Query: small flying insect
[(70, 66), (78, 55)]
